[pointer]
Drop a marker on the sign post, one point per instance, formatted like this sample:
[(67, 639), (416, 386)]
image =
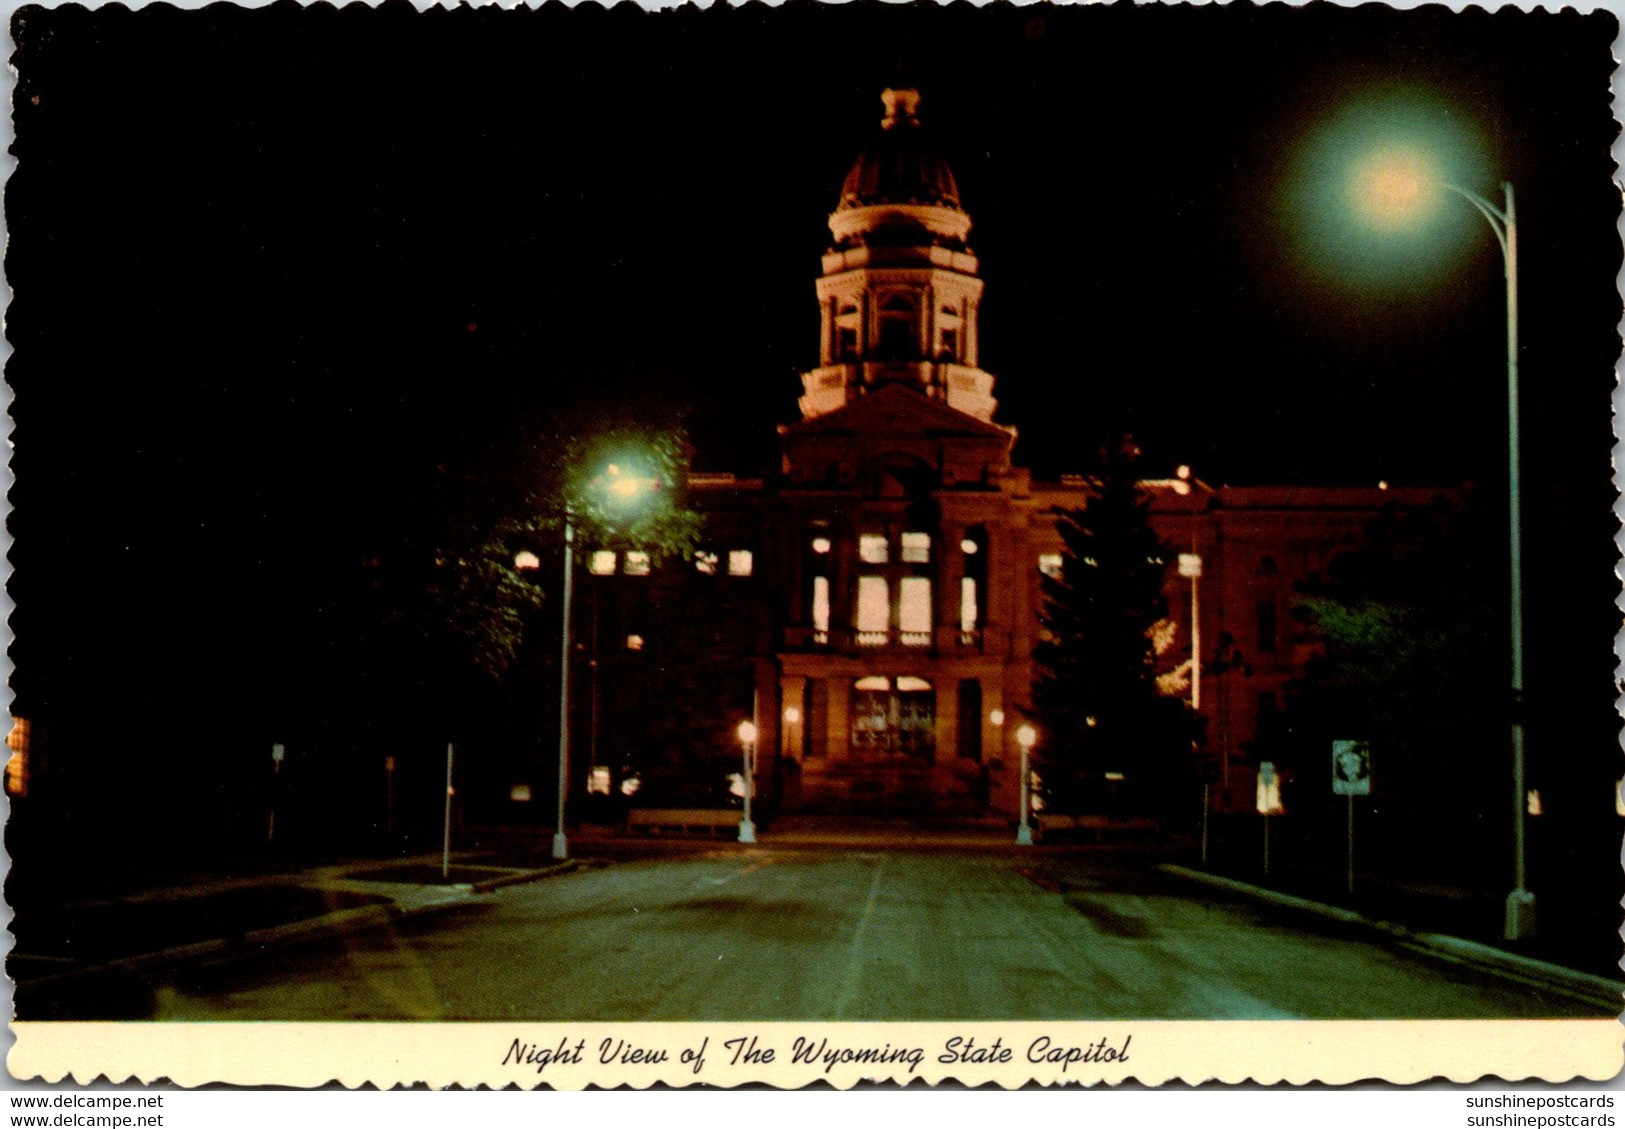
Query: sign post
[(1269, 802), (445, 840), (278, 751), (1351, 776)]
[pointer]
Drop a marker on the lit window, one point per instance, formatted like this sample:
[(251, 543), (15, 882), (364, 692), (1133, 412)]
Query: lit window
[(706, 562), (872, 548), (637, 563), (820, 606), (968, 547), (601, 563), (914, 611), (634, 642), (739, 562), (874, 610), (597, 781), (820, 545), (967, 604), (525, 560), (916, 548), (908, 684), (872, 682), (1050, 564), (17, 766)]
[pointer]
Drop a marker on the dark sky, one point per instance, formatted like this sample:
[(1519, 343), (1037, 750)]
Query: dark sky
[(273, 268)]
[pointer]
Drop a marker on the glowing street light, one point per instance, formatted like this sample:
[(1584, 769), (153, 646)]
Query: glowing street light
[(623, 488), (1026, 737), (1395, 189), (747, 742)]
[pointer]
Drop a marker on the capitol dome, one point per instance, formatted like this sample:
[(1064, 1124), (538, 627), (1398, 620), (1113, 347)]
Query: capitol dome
[(899, 166), (900, 190)]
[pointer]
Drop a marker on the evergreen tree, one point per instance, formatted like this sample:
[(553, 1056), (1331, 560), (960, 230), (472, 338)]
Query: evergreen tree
[(1096, 696)]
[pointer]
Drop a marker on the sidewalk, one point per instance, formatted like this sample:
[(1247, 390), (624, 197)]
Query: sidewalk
[(60, 944), (1605, 992)]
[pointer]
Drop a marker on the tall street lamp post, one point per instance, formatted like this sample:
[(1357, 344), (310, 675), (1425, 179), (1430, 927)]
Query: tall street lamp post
[(1520, 905), (1394, 189), (747, 742), (622, 487), (561, 845), (1026, 737)]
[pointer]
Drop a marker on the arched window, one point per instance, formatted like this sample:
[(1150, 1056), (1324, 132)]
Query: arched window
[(898, 339)]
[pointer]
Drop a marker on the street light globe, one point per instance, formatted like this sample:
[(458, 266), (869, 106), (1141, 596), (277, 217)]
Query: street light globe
[(624, 483), (747, 732), (1364, 191), (1394, 187), (1026, 736)]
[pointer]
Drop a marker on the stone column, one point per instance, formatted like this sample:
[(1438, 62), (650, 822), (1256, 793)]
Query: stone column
[(838, 732)]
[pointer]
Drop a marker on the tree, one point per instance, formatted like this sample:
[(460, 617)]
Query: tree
[(1096, 694), (1415, 662)]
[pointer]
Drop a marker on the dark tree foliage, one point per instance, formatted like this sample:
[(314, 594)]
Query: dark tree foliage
[(1095, 697), (1414, 625), (699, 685)]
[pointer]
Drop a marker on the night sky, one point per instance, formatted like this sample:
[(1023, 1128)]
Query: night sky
[(278, 272)]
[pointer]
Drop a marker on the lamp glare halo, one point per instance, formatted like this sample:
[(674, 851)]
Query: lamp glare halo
[(1394, 188)]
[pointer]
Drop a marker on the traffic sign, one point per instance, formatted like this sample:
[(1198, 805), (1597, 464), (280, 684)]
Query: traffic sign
[(1351, 768)]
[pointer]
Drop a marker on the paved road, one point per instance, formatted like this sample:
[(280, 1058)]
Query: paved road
[(850, 935)]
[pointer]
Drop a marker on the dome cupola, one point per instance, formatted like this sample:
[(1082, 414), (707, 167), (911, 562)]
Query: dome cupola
[(900, 190), (899, 293)]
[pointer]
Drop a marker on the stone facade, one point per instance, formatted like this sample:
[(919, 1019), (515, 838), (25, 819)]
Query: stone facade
[(898, 550)]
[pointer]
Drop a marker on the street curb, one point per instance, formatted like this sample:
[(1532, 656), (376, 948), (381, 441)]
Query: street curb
[(356, 918), (1583, 986)]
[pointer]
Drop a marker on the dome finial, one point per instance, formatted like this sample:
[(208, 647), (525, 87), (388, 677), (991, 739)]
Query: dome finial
[(901, 104)]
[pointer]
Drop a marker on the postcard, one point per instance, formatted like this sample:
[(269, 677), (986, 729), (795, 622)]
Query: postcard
[(561, 546)]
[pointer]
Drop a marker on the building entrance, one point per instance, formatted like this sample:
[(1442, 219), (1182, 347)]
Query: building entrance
[(893, 742)]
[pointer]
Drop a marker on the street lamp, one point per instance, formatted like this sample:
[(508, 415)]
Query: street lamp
[(747, 741), (1026, 737), (1394, 188), (621, 488)]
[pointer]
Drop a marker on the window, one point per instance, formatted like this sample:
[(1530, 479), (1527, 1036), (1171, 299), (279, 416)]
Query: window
[(601, 563), (846, 344), (1266, 626), (637, 563), (898, 339), (874, 610), (914, 611), (916, 548), (970, 719), (872, 548), (820, 545), (893, 719), (17, 765), (740, 562), (967, 605), (1050, 564), (706, 563), (950, 344), (820, 609)]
